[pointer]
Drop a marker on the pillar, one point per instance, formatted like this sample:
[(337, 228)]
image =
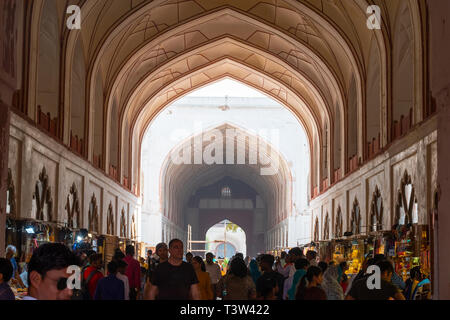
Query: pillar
[(4, 147), (439, 26)]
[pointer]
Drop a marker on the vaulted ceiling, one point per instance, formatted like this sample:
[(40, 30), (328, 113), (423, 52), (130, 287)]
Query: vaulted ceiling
[(258, 164), (131, 58)]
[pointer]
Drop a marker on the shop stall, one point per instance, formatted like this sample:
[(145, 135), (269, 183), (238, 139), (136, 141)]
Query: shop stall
[(410, 248), (353, 251), (325, 251), (110, 244)]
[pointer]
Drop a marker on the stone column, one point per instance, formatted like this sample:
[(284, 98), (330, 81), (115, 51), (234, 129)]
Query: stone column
[(439, 26), (4, 148)]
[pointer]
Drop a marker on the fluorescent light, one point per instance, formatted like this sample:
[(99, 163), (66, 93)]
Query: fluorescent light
[(29, 230)]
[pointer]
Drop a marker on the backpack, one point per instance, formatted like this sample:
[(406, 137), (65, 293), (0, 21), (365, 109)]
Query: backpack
[(84, 292)]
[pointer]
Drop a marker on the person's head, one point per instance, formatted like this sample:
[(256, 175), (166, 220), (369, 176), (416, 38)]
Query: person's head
[(189, 257), (314, 275), (266, 262), (301, 263), (112, 267), (386, 270), (331, 273), (295, 253), (370, 262), (83, 257), (323, 265), (122, 266), (47, 272), (10, 251), (149, 253), (176, 249), (6, 270), (415, 273), (129, 250), (118, 255), (209, 257), (238, 268), (283, 255), (311, 255), (96, 260), (379, 257), (198, 264), (162, 251), (239, 255)]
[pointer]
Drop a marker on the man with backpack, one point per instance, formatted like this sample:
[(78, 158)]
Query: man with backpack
[(91, 276)]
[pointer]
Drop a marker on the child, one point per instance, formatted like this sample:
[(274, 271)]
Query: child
[(6, 271)]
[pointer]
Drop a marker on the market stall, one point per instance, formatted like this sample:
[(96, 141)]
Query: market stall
[(325, 251), (110, 244), (409, 247)]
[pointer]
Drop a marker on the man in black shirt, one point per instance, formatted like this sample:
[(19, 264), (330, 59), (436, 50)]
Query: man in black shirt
[(266, 263), (174, 279), (360, 289)]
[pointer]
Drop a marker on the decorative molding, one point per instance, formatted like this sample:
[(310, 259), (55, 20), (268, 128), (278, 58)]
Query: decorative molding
[(93, 215), (110, 220), (326, 229), (316, 230), (355, 223), (376, 211), (73, 208), (403, 205), (338, 224), (11, 196), (42, 196), (123, 225), (133, 227)]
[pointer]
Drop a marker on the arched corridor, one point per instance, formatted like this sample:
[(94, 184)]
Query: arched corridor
[(307, 123)]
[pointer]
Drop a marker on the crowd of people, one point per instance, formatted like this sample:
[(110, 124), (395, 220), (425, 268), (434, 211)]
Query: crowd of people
[(165, 275)]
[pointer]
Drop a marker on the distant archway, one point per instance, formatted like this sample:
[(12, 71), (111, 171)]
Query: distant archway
[(226, 234)]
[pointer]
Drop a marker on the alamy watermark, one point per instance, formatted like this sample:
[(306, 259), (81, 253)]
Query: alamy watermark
[(374, 19), (374, 280), (73, 22), (209, 147)]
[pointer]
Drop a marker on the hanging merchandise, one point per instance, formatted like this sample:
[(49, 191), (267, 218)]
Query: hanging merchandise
[(356, 257)]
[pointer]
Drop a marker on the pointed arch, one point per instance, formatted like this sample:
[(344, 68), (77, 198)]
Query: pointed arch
[(403, 68)]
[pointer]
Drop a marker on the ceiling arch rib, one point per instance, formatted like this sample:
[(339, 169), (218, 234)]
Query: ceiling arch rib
[(214, 72), (156, 18), (295, 20), (209, 27), (281, 95), (185, 178), (234, 51), (125, 46)]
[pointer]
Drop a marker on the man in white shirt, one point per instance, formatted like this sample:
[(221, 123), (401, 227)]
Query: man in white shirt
[(47, 272), (214, 271), (122, 267)]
